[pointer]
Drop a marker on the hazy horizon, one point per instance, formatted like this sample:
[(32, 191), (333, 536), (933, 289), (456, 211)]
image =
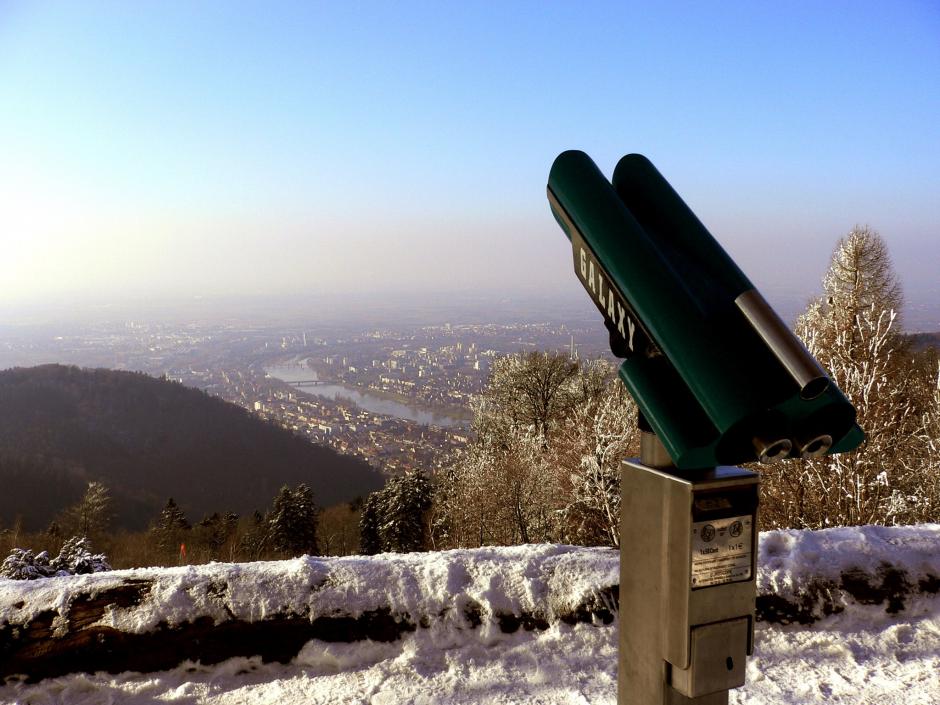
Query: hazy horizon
[(374, 310), (161, 153)]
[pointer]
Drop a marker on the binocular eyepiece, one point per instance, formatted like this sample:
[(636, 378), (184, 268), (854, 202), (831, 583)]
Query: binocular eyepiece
[(715, 371)]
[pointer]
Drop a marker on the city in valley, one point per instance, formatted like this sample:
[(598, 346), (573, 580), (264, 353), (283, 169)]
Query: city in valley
[(400, 397)]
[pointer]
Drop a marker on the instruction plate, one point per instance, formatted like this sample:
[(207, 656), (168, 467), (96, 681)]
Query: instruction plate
[(721, 551)]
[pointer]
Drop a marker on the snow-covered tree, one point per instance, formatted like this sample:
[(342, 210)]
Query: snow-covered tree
[(75, 558), (544, 463), (292, 523), (403, 504), (932, 428), (535, 390), (396, 517), (78, 558), (462, 510), (596, 437), (853, 330), (500, 489), (923, 501), (23, 564), (860, 279), (369, 541)]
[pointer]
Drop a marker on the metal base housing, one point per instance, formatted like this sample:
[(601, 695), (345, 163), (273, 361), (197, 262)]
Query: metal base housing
[(685, 626)]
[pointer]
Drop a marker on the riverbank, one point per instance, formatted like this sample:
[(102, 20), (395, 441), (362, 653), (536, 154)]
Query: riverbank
[(294, 370)]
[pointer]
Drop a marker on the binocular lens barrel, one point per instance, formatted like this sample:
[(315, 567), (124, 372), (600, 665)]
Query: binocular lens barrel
[(814, 447), (786, 347), (773, 449)]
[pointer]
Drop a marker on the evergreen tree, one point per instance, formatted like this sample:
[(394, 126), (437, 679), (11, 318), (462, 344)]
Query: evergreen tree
[(75, 558), (213, 532), (170, 528), (369, 541), (91, 516), (292, 523), (279, 521), (402, 511), (23, 564), (306, 521), (54, 531), (396, 517)]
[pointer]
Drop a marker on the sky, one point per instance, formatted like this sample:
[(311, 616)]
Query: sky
[(176, 149)]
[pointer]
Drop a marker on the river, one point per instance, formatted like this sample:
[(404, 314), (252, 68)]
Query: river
[(296, 373)]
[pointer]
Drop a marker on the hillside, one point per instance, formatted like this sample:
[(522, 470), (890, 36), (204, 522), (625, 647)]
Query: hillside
[(846, 615), (148, 439)]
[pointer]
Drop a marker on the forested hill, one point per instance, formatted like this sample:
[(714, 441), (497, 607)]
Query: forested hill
[(925, 341), (148, 439)]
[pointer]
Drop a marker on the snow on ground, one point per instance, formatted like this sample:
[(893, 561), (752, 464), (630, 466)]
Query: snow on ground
[(838, 661), (861, 655), (881, 659), (562, 665)]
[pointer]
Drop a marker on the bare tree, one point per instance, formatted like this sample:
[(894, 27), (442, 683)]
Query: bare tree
[(339, 529), (923, 501)]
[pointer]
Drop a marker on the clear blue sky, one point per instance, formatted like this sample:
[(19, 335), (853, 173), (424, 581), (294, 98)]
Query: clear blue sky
[(151, 149)]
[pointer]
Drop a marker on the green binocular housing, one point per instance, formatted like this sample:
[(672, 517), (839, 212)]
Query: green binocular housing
[(718, 376)]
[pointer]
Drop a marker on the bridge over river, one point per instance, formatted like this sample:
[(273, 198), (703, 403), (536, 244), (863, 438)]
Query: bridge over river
[(299, 377)]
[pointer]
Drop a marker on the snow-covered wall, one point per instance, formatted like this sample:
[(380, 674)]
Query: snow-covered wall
[(151, 619), (804, 576)]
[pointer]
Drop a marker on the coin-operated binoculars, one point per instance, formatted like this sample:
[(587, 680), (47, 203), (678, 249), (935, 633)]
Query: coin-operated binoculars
[(719, 380)]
